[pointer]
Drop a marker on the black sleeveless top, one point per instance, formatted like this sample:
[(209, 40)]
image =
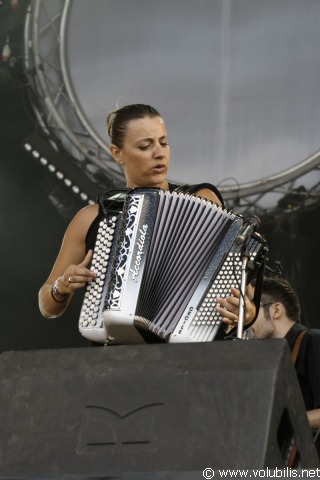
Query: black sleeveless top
[(190, 189)]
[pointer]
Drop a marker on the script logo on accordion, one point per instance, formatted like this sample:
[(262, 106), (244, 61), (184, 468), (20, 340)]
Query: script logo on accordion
[(140, 244)]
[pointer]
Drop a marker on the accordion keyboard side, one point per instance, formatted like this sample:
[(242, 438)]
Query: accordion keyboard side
[(90, 321), (201, 322)]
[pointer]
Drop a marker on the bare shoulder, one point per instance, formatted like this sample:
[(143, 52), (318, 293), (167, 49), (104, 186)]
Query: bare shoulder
[(87, 213), (209, 195), (83, 219)]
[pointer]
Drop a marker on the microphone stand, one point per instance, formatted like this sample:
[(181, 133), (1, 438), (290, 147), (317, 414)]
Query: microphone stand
[(245, 258)]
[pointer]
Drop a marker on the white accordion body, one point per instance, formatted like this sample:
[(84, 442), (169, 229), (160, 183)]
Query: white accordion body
[(160, 265)]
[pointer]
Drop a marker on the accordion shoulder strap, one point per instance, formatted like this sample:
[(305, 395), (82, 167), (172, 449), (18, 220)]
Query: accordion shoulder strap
[(296, 347), (111, 200)]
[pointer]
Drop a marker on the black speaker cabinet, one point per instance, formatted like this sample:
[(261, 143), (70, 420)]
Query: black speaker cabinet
[(151, 408)]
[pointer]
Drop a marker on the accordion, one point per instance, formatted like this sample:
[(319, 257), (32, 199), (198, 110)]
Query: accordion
[(160, 263)]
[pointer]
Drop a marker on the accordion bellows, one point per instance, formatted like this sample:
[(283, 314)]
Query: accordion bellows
[(160, 264)]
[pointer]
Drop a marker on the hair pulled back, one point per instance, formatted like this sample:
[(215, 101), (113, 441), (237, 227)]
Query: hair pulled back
[(118, 119)]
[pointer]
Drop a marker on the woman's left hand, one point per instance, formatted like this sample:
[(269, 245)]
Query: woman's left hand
[(228, 307)]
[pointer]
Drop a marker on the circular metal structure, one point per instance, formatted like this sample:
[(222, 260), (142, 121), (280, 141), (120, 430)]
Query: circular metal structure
[(65, 67)]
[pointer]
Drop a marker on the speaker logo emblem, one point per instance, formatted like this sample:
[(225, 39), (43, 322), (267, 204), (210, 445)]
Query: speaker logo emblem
[(104, 428)]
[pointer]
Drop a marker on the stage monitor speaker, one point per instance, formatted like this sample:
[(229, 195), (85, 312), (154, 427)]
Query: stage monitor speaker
[(151, 408)]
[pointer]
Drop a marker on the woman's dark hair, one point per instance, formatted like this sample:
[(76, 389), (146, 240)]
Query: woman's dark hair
[(277, 289), (117, 120)]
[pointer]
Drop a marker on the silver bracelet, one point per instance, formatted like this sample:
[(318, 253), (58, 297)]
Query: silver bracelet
[(55, 292)]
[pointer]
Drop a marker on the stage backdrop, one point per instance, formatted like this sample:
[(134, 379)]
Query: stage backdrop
[(236, 80)]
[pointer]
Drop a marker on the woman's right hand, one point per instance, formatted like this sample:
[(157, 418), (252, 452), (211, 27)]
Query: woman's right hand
[(77, 276)]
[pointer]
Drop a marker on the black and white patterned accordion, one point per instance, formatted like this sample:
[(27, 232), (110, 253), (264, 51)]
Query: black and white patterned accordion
[(160, 264)]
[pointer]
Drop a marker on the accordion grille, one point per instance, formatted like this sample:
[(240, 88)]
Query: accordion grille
[(186, 235)]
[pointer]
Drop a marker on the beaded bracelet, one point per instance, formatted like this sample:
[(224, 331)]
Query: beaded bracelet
[(55, 291)]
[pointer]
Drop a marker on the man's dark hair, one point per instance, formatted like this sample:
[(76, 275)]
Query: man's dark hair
[(277, 289)]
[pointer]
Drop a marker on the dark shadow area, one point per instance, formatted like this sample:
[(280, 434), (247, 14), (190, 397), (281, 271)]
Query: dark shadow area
[(294, 240), (32, 225), (34, 209)]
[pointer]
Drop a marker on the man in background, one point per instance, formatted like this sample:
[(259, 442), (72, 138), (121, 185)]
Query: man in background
[(279, 317)]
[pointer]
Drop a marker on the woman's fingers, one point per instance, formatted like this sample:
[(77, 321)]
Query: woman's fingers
[(228, 307), (77, 276)]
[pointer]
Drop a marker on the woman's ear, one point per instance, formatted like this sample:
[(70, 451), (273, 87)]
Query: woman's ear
[(116, 153)]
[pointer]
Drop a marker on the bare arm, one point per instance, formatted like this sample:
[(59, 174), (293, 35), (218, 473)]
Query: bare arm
[(314, 418), (209, 195), (72, 263)]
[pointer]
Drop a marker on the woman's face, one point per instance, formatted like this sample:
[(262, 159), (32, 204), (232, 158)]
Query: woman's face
[(145, 155)]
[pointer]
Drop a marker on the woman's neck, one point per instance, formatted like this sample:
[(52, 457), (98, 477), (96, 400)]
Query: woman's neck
[(163, 185)]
